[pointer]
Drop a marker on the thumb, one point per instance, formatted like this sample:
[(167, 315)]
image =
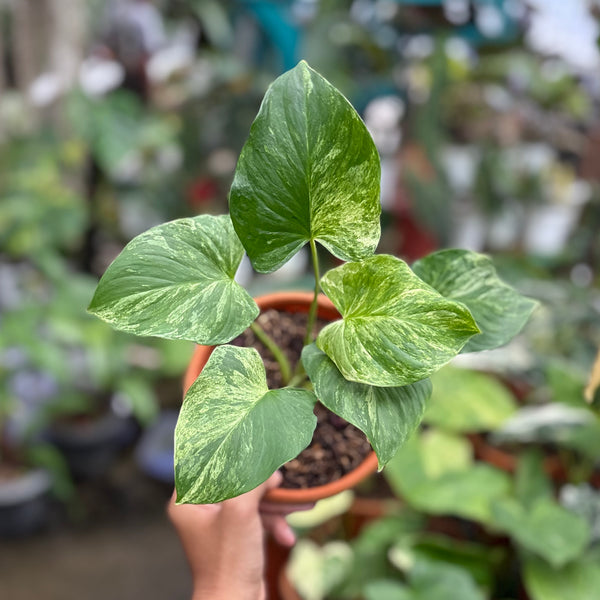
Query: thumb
[(271, 483)]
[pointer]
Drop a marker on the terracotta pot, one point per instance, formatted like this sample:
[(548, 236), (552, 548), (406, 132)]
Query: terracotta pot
[(286, 589), (293, 302), (506, 461), (365, 511)]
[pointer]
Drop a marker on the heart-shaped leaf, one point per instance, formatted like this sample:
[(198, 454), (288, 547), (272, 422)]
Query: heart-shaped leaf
[(388, 589), (547, 529), (435, 473), (427, 579), (435, 579), (579, 580), (308, 171), (317, 570), (233, 432), (387, 416), (395, 329), (176, 281), (468, 277), (457, 401)]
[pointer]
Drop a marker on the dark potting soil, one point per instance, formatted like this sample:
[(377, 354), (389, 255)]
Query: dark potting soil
[(337, 447)]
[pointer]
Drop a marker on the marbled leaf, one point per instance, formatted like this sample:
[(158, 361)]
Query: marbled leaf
[(395, 329), (308, 171), (386, 415), (233, 432), (176, 281), (499, 310)]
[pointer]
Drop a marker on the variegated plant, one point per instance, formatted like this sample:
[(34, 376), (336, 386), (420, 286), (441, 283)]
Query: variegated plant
[(309, 173)]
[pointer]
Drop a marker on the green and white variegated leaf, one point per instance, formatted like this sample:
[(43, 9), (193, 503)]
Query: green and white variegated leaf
[(466, 401), (233, 432), (308, 171), (499, 310), (395, 329), (435, 473), (386, 415), (176, 281), (546, 528), (577, 580)]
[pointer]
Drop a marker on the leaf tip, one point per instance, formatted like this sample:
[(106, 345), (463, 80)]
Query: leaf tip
[(92, 307)]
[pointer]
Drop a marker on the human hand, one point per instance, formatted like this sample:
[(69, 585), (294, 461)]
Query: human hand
[(224, 542)]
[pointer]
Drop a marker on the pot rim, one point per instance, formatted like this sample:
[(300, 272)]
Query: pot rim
[(293, 301), (25, 487)]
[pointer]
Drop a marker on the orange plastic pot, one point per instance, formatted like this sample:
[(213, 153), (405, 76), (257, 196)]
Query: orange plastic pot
[(293, 302)]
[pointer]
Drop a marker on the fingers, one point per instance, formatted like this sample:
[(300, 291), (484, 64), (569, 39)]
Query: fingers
[(257, 493), (276, 508), (278, 527), (248, 502), (273, 482), (242, 508)]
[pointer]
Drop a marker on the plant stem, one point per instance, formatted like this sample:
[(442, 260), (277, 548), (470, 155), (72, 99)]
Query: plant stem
[(299, 372), (276, 351), (298, 379), (312, 312)]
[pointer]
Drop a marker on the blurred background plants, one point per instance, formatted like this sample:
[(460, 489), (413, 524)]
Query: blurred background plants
[(116, 116)]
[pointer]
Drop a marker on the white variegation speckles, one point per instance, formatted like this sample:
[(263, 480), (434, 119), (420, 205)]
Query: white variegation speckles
[(309, 171), (396, 329), (176, 281), (386, 415), (233, 433), (468, 277)]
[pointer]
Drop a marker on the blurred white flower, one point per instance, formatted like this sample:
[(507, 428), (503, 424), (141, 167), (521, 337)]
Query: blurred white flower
[(222, 161), (382, 117), (45, 89), (169, 158), (129, 169), (98, 76), (489, 20), (168, 61), (419, 47), (457, 12)]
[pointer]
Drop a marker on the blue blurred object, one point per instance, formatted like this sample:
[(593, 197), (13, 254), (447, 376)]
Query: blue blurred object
[(155, 450), (276, 21)]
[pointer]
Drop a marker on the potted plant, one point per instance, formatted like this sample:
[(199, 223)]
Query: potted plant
[(32, 472), (508, 534), (309, 172), (392, 558), (518, 514), (73, 382)]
